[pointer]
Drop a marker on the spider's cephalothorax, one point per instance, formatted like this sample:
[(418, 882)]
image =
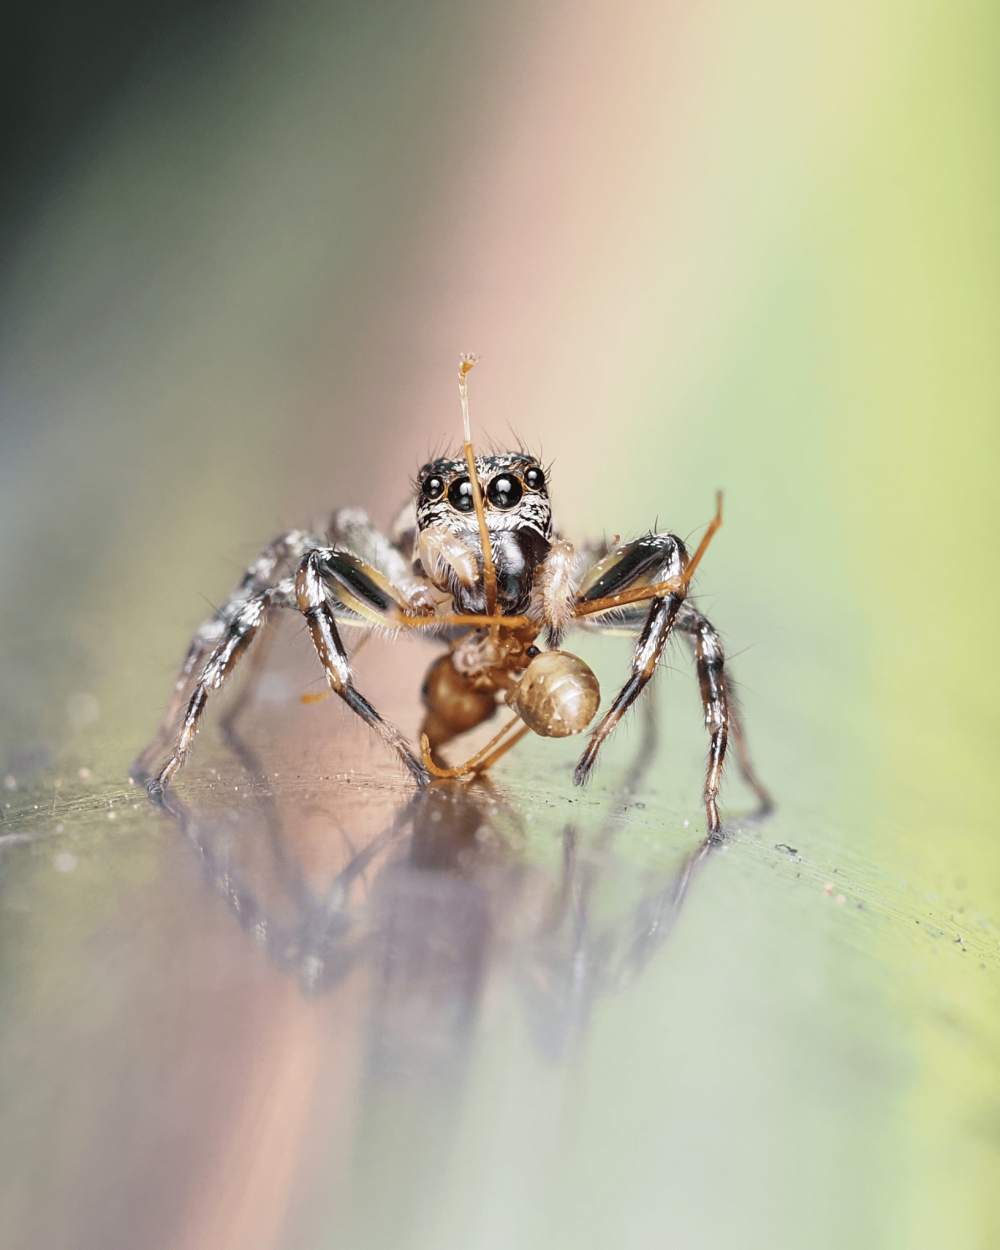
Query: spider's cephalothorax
[(482, 572), (518, 516)]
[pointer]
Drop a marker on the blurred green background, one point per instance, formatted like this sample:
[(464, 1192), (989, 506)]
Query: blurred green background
[(696, 247)]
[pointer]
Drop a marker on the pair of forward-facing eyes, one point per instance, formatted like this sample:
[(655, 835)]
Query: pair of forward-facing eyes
[(504, 491)]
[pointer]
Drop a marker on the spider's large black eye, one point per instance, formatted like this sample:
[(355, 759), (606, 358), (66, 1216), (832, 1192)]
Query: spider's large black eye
[(460, 495), (433, 487), (534, 478), (504, 491)]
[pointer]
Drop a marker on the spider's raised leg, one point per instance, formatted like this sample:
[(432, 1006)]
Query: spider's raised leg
[(648, 561), (721, 714)]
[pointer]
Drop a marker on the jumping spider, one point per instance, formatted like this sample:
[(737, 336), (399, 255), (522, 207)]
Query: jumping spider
[(473, 560)]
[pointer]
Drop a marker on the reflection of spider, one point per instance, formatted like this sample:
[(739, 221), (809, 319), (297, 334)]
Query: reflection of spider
[(474, 560)]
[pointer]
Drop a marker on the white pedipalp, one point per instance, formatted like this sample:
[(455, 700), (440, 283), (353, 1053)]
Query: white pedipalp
[(440, 549), (554, 590)]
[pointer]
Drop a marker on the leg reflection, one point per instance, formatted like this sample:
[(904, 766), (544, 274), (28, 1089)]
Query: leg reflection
[(436, 901), (572, 961)]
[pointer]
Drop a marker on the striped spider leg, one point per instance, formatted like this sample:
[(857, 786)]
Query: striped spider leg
[(272, 566), (325, 582), (656, 569)]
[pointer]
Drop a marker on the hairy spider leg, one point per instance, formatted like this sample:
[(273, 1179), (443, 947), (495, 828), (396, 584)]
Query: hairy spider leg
[(325, 576), (277, 559), (646, 560), (319, 696), (237, 638), (357, 585), (256, 663), (659, 623), (722, 716), (227, 722), (715, 700), (603, 602), (609, 584)]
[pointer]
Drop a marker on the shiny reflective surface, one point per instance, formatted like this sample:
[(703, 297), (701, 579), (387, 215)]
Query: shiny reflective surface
[(328, 937), (310, 1006)]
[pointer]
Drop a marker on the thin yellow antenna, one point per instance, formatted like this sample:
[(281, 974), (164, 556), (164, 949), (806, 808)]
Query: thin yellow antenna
[(489, 572)]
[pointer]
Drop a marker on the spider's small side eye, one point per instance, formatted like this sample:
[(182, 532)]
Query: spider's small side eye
[(433, 487), (534, 478), (504, 491), (460, 495)]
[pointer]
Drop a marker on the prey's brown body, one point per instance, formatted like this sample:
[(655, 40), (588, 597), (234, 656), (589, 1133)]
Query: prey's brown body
[(475, 561)]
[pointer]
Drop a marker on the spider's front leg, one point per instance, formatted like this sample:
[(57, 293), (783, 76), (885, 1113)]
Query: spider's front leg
[(647, 562), (369, 594), (325, 577), (659, 563)]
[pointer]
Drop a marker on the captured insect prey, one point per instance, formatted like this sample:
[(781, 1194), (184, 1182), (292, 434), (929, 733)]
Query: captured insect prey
[(473, 560)]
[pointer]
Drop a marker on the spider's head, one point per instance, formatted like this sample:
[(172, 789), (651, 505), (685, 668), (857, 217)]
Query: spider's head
[(515, 495), (518, 517)]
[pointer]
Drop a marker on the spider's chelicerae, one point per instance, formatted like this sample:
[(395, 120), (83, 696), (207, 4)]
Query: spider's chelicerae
[(474, 560)]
